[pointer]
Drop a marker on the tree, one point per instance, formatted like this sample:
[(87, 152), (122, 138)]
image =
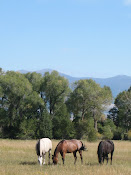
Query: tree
[(1, 71), (121, 114), (84, 128), (113, 115), (123, 103), (35, 79), (54, 90), (18, 102), (15, 88), (107, 128), (44, 126), (89, 99), (63, 128)]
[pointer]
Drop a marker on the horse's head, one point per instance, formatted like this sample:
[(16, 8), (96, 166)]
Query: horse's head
[(100, 159), (55, 159), (40, 160), (100, 152)]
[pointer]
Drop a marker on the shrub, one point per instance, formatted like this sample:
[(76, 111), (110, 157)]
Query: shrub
[(27, 129), (99, 136), (92, 135), (118, 135), (107, 132), (129, 134), (91, 130)]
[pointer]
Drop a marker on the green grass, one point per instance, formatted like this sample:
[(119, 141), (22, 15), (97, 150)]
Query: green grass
[(18, 157)]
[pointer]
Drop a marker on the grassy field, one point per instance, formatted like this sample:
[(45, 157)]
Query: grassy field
[(18, 157)]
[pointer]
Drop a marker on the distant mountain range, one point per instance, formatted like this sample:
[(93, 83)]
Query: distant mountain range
[(117, 84)]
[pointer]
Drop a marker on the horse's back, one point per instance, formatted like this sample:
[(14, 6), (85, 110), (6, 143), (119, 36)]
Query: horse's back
[(71, 145), (111, 145), (78, 143), (46, 143), (110, 142), (106, 146)]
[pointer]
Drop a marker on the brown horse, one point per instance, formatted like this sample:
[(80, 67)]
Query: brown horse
[(104, 148), (68, 146)]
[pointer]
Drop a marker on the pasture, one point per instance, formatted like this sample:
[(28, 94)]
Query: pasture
[(18, 157)]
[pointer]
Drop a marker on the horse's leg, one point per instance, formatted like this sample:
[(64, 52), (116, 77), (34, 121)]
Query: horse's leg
[(107, 158), (49, 156), (80, 152), (111, 157), (44, 159), (103, 158), (40, 159), (74, 153), (63, 156)]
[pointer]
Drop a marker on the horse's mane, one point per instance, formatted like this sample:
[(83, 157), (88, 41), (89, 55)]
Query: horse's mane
[(83, 146), (109, 141), (58, 145), (99, 147), (38, 148)]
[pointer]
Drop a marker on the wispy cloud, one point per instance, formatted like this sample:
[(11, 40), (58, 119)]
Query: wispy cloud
[(127, 2)]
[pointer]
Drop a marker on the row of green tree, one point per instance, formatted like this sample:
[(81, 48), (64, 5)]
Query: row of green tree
[(34, 106)]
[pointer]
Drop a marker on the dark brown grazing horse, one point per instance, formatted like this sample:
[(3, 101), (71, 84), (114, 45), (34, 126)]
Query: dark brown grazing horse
[(68, 146), (104, 148)]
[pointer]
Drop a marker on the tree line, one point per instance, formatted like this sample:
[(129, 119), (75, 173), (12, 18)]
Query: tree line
[(34, 106)]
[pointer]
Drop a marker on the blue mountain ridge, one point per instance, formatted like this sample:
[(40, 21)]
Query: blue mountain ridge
[(117, 83)]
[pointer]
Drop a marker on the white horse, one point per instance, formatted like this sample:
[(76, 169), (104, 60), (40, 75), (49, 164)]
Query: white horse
[(43, 146)]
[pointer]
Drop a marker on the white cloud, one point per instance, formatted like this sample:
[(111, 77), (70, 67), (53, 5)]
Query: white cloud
[(127, 2)]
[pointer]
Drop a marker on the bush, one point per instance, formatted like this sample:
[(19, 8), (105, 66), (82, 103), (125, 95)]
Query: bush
[(84, 129), (99, 136), (81, 128), (129, 135), (107, 132), (92, 135), (27, 129), (63, 128), (118, 134), (44, 126)]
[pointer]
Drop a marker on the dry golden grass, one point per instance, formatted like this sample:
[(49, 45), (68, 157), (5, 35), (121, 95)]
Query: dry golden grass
[(18, 157)]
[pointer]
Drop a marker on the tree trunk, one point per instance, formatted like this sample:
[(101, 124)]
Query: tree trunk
[(95, 124)]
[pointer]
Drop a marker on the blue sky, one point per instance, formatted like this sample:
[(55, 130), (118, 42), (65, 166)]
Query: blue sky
[(82, 38)]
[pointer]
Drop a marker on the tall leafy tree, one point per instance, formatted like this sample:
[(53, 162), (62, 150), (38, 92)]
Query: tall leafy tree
[(62, 125), (44, 126), (35, 79), (123, 103), (18, 102), (113, 115), (54, 90), (89, 99), (15, 89)]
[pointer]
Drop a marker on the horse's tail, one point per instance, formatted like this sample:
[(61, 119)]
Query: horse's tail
[(109, 141), (83, 147), (38, 148), (99, 151)]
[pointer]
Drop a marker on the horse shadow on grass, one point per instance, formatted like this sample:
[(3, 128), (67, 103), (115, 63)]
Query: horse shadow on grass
[(33, 163), (28, 163), (91, 164)]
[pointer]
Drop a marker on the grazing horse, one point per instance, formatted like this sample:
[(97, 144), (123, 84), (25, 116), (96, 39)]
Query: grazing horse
[(43, 146), (104, 148), (68, 146)]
